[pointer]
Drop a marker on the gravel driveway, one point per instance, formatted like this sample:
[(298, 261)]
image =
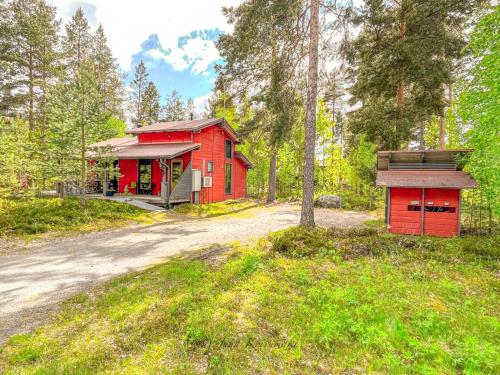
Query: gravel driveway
[(34, 281)]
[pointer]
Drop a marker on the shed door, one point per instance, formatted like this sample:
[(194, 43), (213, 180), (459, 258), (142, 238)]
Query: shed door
[(405, 211), (441, 212)]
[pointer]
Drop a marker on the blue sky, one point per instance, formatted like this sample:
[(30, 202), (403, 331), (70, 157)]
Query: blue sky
[(191, 75), (174, 38)]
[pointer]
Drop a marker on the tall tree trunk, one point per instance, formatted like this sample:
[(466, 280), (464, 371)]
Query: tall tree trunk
[(307, 215), (422, 135), (400, 95), (83, 144), (442, 105), (271, 191), (43, 119), (31, 94)]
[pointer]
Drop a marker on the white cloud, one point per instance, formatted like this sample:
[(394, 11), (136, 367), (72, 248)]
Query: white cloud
[(196, 52), (201, 102), (128, 23)]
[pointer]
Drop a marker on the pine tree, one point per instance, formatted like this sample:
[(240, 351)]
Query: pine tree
[(5, 63), (77, 44), (151, 104), (174, 109), (262, 57), (138, 86), (108, 76), (190, 110), (28, 49), (400, 62), (307, 214)]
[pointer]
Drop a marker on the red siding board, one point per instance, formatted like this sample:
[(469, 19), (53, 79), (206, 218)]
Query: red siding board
[(212, 140), (403, 221), (167, 137), (212, 148), (443, 224), (128, 174)]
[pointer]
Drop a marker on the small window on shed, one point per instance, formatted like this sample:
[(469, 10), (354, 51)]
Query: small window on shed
[(450, 210), (210, 166), (413, 208), (229, 151)]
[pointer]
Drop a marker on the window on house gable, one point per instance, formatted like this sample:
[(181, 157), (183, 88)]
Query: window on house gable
[(210, 166), (229, 151), (228, 179)]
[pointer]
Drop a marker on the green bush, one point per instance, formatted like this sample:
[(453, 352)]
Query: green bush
[(31, 216), (352, 243), (299, 241)]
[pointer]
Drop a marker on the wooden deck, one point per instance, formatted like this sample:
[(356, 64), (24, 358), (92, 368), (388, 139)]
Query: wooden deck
[(155, 199)]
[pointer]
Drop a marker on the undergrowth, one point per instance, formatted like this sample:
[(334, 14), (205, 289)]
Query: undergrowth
[(30, 217), (214, 209), (319, 301)]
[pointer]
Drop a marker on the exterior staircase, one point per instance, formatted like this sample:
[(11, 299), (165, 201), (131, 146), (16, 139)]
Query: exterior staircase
[(182, 190)]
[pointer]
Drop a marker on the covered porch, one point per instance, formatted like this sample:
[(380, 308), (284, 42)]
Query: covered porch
[(159, 173)]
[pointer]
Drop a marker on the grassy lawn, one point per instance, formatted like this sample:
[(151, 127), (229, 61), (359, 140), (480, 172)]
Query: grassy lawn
[(32, 218), (214, 209), (299, 302)]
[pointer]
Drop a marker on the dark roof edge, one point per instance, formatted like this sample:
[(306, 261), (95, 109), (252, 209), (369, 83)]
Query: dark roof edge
[(210, 122), (243, 158)]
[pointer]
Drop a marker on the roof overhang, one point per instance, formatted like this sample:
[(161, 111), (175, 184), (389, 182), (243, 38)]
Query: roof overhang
[(450, 156), (239, 155), (143, 151), (426, 179), (188, 125)]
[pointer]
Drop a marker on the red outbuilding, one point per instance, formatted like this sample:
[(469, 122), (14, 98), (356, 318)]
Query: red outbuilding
[(181, 161), (423, 190)]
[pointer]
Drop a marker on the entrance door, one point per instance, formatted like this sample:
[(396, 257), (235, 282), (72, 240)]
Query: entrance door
[(405, 214), (113, 184), (441, 212), (144, 183), (176, 172)]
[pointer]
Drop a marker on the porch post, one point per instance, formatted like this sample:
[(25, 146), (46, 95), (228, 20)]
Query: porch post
[(165, 195), (106, 180)]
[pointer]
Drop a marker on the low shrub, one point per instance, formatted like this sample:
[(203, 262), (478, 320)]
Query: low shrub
[(352, 243), (31, 216), (213, 209), (299, 242)]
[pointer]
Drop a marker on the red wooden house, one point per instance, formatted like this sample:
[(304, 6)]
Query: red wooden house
[(423, 190), (181, 161)]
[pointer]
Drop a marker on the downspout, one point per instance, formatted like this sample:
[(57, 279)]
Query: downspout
[(459, 213), (388, 208), (165, 186), (191, 161), (422, 214)]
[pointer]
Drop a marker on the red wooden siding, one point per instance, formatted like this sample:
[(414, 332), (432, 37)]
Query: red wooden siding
[(403, 221), (442, 224), (128, 174), (156, 177), (212, 149), (167, 137), (240, 178)]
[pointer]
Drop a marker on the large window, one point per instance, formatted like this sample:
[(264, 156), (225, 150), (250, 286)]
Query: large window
[(228, 179), (229, 153)]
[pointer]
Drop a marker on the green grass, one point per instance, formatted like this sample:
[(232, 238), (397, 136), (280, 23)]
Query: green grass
[(33, 217), (214, 209), (304, 301)]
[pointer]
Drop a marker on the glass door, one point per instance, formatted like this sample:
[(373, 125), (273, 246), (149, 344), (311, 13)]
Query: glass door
[(176, 172), (144, 186)]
